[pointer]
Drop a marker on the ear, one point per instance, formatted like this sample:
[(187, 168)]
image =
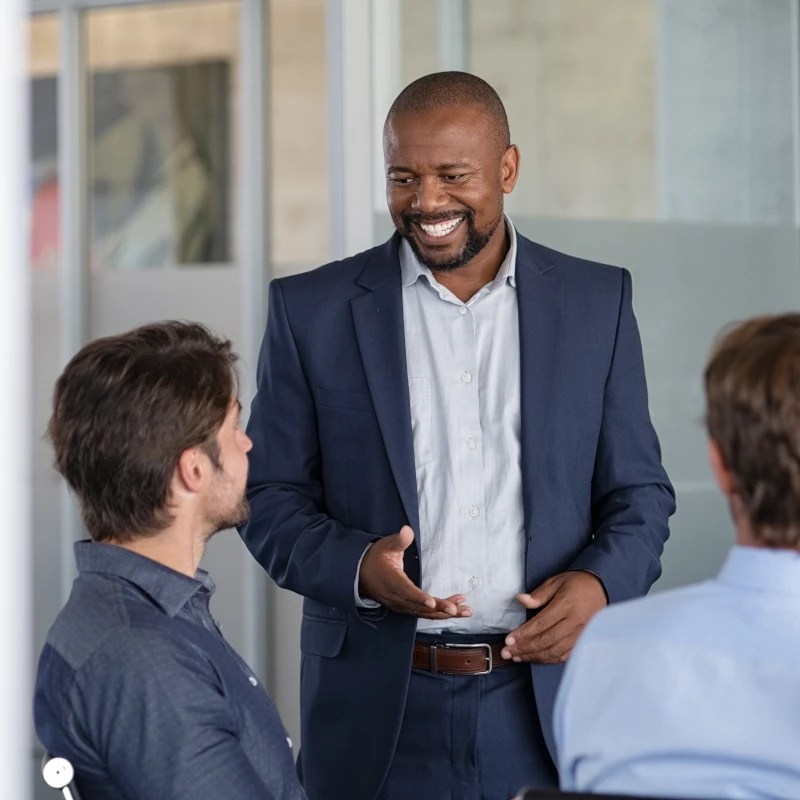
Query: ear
[(509, 169), (725, 479), (190, 470)]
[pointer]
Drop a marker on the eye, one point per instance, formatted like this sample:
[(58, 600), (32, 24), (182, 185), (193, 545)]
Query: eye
[(400, 181), (452, 178)]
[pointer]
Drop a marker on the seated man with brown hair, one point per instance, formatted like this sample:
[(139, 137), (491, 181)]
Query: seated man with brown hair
[(695, 692), (136, 685)]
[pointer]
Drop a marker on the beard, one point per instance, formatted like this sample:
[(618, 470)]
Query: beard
[(231, 517), (227, 514), (476, 240)]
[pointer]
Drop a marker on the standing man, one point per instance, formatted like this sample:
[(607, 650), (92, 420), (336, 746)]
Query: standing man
[(454, 463)]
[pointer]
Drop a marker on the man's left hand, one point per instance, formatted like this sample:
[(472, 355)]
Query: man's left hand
[(568, 601)]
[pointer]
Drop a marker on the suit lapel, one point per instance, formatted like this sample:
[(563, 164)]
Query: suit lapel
[(540, 302), (378, 320)]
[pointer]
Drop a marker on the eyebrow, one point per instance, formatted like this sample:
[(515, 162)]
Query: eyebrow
[(454, 165), (440, 168)]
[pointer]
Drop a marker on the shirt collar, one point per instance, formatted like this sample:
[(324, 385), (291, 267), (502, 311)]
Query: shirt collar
[(411, 270), (169, 589), (762, 569)]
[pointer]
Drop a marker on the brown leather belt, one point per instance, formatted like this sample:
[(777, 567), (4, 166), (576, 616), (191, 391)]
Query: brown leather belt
[(458, 659)]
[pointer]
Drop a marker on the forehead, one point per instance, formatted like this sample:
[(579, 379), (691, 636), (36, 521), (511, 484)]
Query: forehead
[(442, 136)]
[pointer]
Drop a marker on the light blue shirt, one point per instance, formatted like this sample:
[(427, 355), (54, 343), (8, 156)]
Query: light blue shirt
[(690, 693), (463, 370), (464, 386)]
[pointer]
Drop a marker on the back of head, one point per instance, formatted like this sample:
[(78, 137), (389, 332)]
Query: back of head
[(753, 397), (124, 410), (447, 89)]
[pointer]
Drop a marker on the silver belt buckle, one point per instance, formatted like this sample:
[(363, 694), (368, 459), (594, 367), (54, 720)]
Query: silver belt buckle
[(487, 647)]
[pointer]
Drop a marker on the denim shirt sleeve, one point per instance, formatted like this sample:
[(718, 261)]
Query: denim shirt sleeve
[(154, 708)]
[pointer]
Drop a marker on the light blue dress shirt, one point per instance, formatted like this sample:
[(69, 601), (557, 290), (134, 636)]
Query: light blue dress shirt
[(463, 370), (464, 386), (694, 692)]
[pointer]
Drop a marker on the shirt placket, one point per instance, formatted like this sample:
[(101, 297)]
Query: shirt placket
[(202, 610), (468, 455)]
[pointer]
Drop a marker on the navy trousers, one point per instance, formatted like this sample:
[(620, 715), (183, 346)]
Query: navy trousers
[(469, 737)]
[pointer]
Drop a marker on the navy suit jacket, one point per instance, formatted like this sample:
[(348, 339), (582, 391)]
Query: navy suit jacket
[(332, 469)]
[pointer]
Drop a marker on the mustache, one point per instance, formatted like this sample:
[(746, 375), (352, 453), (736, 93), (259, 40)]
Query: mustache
[(412, 217)]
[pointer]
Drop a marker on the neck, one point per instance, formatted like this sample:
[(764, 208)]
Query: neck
[(744, 530), (466, 281), (175, 547)]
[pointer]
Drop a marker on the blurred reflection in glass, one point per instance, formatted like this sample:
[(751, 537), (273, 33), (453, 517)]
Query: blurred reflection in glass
[(160, 148), (43, 186)]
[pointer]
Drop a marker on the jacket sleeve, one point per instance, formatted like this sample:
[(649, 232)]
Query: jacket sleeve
[(289, 532), (632, 498)]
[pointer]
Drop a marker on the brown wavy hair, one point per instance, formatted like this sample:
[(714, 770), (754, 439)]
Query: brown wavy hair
[(124, 410), (753, 414)]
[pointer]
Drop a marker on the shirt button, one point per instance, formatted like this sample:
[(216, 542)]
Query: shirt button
[(473, 512), (466, 377), (474, 582), (462, 310), (253, 681), (471, 443)]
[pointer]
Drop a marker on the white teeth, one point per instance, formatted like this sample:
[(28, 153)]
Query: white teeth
[(442, 228)]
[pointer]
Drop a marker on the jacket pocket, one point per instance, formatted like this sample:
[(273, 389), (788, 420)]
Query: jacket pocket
[(322, 637)]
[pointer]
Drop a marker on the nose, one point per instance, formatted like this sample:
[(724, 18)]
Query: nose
[(429, 196)]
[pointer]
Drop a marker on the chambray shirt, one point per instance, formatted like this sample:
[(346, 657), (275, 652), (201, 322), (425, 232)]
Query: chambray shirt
[(690, 693), (139, 690), (464, 385)]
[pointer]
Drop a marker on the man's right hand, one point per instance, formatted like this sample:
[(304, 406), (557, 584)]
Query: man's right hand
[(383, 579)]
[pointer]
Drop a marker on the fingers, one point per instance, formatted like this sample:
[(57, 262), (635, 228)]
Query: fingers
[(406, 598), (551, 646), (549, 616), (461, 611), (547, 619), (543, 595), (453, 607), (400, 594), (400, 541), (450, 608)]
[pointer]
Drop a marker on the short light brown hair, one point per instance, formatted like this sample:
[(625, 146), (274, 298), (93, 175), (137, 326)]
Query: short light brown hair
[(753, 414), (124, 410)]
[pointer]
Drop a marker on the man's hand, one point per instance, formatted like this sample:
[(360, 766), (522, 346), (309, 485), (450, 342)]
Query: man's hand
[(568, 601), (382, 578)]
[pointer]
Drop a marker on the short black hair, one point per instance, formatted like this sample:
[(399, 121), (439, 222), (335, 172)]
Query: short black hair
[(448, 89)]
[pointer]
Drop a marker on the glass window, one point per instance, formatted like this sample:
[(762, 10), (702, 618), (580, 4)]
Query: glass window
[(419, 37), (299, 188), (43, 184), (43, 33), (579, 89), (644, 110), (162, 128), (44, 252)]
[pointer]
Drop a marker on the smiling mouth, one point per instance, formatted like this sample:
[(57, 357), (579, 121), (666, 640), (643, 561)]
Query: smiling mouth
[(440, 229)]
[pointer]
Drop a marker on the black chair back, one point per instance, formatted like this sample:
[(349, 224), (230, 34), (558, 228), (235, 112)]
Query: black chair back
[(555, 794)]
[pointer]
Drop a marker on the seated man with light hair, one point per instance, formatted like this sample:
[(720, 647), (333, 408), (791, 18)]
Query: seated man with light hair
[(695, 692), (137, 687)]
